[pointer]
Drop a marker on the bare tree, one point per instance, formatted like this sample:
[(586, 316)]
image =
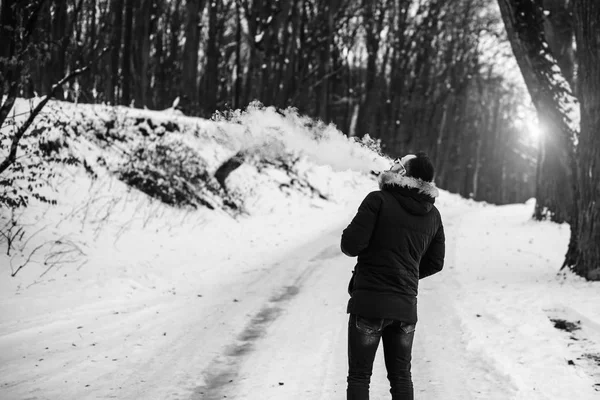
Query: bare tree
[(189, 76), (126, 66), (210, 88), (375, 13), (116, 42)]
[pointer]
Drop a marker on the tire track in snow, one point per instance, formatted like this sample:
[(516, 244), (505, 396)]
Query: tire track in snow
[(224, 370)]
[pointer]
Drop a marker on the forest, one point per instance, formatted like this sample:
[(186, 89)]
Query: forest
[(504, 96), (419, 75)]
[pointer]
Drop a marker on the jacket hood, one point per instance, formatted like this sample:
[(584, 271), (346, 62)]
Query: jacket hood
[(415, 195)]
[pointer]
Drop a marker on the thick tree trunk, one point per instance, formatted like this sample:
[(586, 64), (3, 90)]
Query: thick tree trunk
[(554, 199), (558, 29), (551, 95), (558, 32), (587, 28)]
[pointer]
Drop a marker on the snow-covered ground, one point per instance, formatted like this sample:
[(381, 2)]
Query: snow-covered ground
[(131, 299)]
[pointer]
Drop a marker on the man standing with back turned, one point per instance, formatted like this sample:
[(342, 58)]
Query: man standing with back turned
[(398, 237)]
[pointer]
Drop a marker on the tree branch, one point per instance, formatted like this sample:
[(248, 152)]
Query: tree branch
[(12, 155), (13, 274)]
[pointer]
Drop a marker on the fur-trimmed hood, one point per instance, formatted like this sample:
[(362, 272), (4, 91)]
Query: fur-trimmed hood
[(415, 195), (389, 178)]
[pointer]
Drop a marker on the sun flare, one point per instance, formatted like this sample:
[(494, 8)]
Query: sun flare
[(533, 129)]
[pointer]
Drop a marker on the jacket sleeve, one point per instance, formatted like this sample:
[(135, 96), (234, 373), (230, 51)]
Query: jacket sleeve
[(357, 235), (432, 261)]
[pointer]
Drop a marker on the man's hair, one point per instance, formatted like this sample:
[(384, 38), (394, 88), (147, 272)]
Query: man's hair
[(420, 167)]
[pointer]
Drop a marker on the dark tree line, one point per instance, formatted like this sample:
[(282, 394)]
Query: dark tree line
[(410, 72)]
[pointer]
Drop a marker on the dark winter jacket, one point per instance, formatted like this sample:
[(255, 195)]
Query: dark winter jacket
[(398, 237)]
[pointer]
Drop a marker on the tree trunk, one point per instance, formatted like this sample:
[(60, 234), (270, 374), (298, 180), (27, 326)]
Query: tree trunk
[(160, 71), (141, 52), (330, 9), (173, 53), (56, 65), (587, 253), (127, 49), (551, 95), (91, 54), (237, 88), (116, 10), (553, 202), (373, 25), (286, 28), (10, 73), (558, 29), (211, 76), (290, 57), (189, 74)]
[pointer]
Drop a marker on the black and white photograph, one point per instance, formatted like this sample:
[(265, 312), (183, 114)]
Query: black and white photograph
[(300, 199)]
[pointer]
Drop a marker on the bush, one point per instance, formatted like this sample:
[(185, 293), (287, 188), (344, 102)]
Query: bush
[(170, 170), (43, 147)]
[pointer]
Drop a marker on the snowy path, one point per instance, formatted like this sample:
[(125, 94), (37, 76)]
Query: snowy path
[(272, 325), (294, 346), (273, 332), (170, 304)]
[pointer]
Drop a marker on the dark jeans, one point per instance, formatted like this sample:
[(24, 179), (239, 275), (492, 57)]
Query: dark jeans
[(363, 339)]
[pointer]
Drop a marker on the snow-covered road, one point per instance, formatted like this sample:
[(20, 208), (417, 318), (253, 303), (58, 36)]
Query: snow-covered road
[(294, 345), (277, 331), (265, 319), (132, 299)]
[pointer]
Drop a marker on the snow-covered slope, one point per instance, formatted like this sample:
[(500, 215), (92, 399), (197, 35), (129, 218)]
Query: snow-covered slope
[(122, 296)]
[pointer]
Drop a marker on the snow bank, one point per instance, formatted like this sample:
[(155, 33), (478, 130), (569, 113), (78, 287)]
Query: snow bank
[(316, 168), (115, 138)]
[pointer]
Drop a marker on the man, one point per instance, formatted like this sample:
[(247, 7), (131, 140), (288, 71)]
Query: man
[(398, 237)]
